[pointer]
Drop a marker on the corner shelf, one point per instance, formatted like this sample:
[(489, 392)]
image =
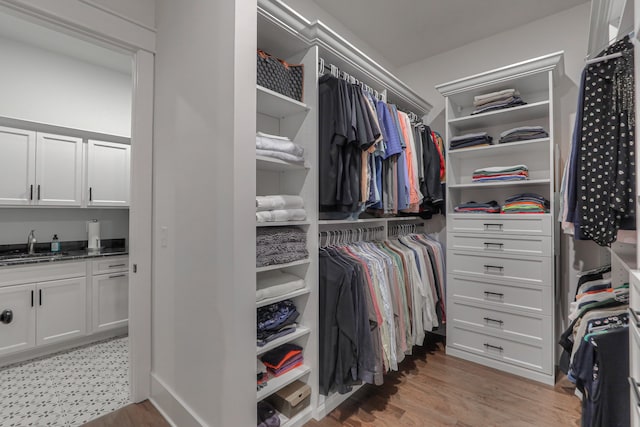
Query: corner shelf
[(277, 105), (279, 266), (277, 383), (276, 165), (498, 117), (300, 331)]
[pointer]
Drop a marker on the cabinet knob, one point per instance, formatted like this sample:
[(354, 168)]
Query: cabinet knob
[(6, 317)]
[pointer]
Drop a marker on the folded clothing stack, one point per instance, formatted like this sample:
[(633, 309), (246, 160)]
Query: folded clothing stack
[(261, 374), (280, 245), (497, 100), (475, 207), (470, 140), (273, 284), (278, 147), (267, 415), (275, 321), (523, 133), (526, 203), (280, 208), (501, 173), (282, 359)]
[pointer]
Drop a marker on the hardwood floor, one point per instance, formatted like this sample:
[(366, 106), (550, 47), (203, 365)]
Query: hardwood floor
[(431, 390)]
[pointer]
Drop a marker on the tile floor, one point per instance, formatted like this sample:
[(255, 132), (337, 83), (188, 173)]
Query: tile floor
[(67, 388)]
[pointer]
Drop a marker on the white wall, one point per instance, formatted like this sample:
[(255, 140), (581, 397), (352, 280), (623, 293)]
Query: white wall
[(204, 188), (42, 86), (68, 224)]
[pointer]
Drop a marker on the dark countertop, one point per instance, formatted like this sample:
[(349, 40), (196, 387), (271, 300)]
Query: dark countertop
[(12, 255), (63, 256)]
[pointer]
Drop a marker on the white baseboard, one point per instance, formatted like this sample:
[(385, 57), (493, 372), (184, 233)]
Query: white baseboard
[(331, 402), (171, 406)]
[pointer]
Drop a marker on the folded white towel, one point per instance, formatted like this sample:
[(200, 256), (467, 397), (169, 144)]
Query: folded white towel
[(276, 143), (281, 215), (276, 283), (278, 202), (493, 96), (280, 155)]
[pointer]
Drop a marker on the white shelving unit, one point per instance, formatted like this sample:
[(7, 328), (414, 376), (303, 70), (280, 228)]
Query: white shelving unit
[(496, 261), (283, 380)]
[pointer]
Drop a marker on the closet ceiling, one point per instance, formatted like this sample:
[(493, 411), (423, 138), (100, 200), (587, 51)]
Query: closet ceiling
[(405, 31)]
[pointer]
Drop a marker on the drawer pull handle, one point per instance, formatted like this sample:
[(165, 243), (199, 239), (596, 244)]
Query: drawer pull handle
[(494, 347), (113, 276), (488, 245), (489, 320), (495, 294), (117, 265), (490, 227), (489, 268), (634, 385), (636, 319)]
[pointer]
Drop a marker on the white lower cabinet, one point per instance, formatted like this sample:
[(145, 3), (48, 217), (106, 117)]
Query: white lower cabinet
[(110, 301), (61, 310), (18, 318)]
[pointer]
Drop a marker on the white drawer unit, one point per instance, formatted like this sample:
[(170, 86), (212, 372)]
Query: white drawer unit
[(519, 327), (529, 356), (534, 299), (497, 224), (532, 270), (110, 264), (513, 245), (110, 301)]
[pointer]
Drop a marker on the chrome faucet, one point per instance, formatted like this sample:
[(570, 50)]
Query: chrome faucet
[(31, 242)]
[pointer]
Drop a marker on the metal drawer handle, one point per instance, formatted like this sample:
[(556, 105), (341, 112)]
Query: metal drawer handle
[(487, 345), (636, 319), (117, 265), (113, 276), (495, 294), (488, 245), (488, 320), (497, 227), (488, 268), (634, 385)]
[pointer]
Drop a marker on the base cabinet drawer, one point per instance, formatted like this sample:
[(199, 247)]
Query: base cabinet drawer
[(502, 349), (110, 293), (110, 264), (534, 270), (535, 299), (519, 327), (521, 245), (527, 224)]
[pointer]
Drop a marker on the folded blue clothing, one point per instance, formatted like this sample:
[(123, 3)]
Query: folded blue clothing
[(472, 204), (274, 316)]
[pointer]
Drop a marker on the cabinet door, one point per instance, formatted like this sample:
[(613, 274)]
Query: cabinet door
[(108, 173), (59, 170), (61, 310), (110, 301), (17, 166), (18, 332)]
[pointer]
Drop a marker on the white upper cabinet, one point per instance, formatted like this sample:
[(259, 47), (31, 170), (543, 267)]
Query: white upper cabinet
[(17, 166), (108, 174), (58, 170)]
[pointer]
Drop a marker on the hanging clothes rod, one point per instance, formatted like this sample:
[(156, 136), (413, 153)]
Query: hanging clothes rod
[(347, 236), (613, 55)]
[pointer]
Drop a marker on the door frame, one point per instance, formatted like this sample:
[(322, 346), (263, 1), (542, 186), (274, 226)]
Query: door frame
[(91, 21)]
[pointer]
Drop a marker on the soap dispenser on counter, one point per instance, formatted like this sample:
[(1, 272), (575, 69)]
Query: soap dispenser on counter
[(55, 244)]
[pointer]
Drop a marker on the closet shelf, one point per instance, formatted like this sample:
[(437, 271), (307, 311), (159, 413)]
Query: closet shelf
[(290, 295), (298, 420), (279, 266), (520, 147), (277, 105), (281, 223), (500, 184), (626, 255), (301, 331), (276, 165), (277, 383), (495, 216), (536, 110), (367, 220)]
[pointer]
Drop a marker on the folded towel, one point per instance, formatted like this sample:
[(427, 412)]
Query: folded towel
[(480, 100), (272, 235), (278, 202), (281, 258), (278, 248), (280, 156), (278, 143), (281, 215), (272, 284)]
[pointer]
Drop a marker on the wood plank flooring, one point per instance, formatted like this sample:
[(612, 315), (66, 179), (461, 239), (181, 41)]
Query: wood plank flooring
[(431, 390)]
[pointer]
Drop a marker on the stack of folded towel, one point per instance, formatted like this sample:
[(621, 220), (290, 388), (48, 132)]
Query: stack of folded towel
[(279, 147), (280, 245), (523, 133), (282, 359), (475, 207), (275, 321), (496, 101), (526, 203), (280, 208), (273, 284), (501, 173), (470, 140)]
